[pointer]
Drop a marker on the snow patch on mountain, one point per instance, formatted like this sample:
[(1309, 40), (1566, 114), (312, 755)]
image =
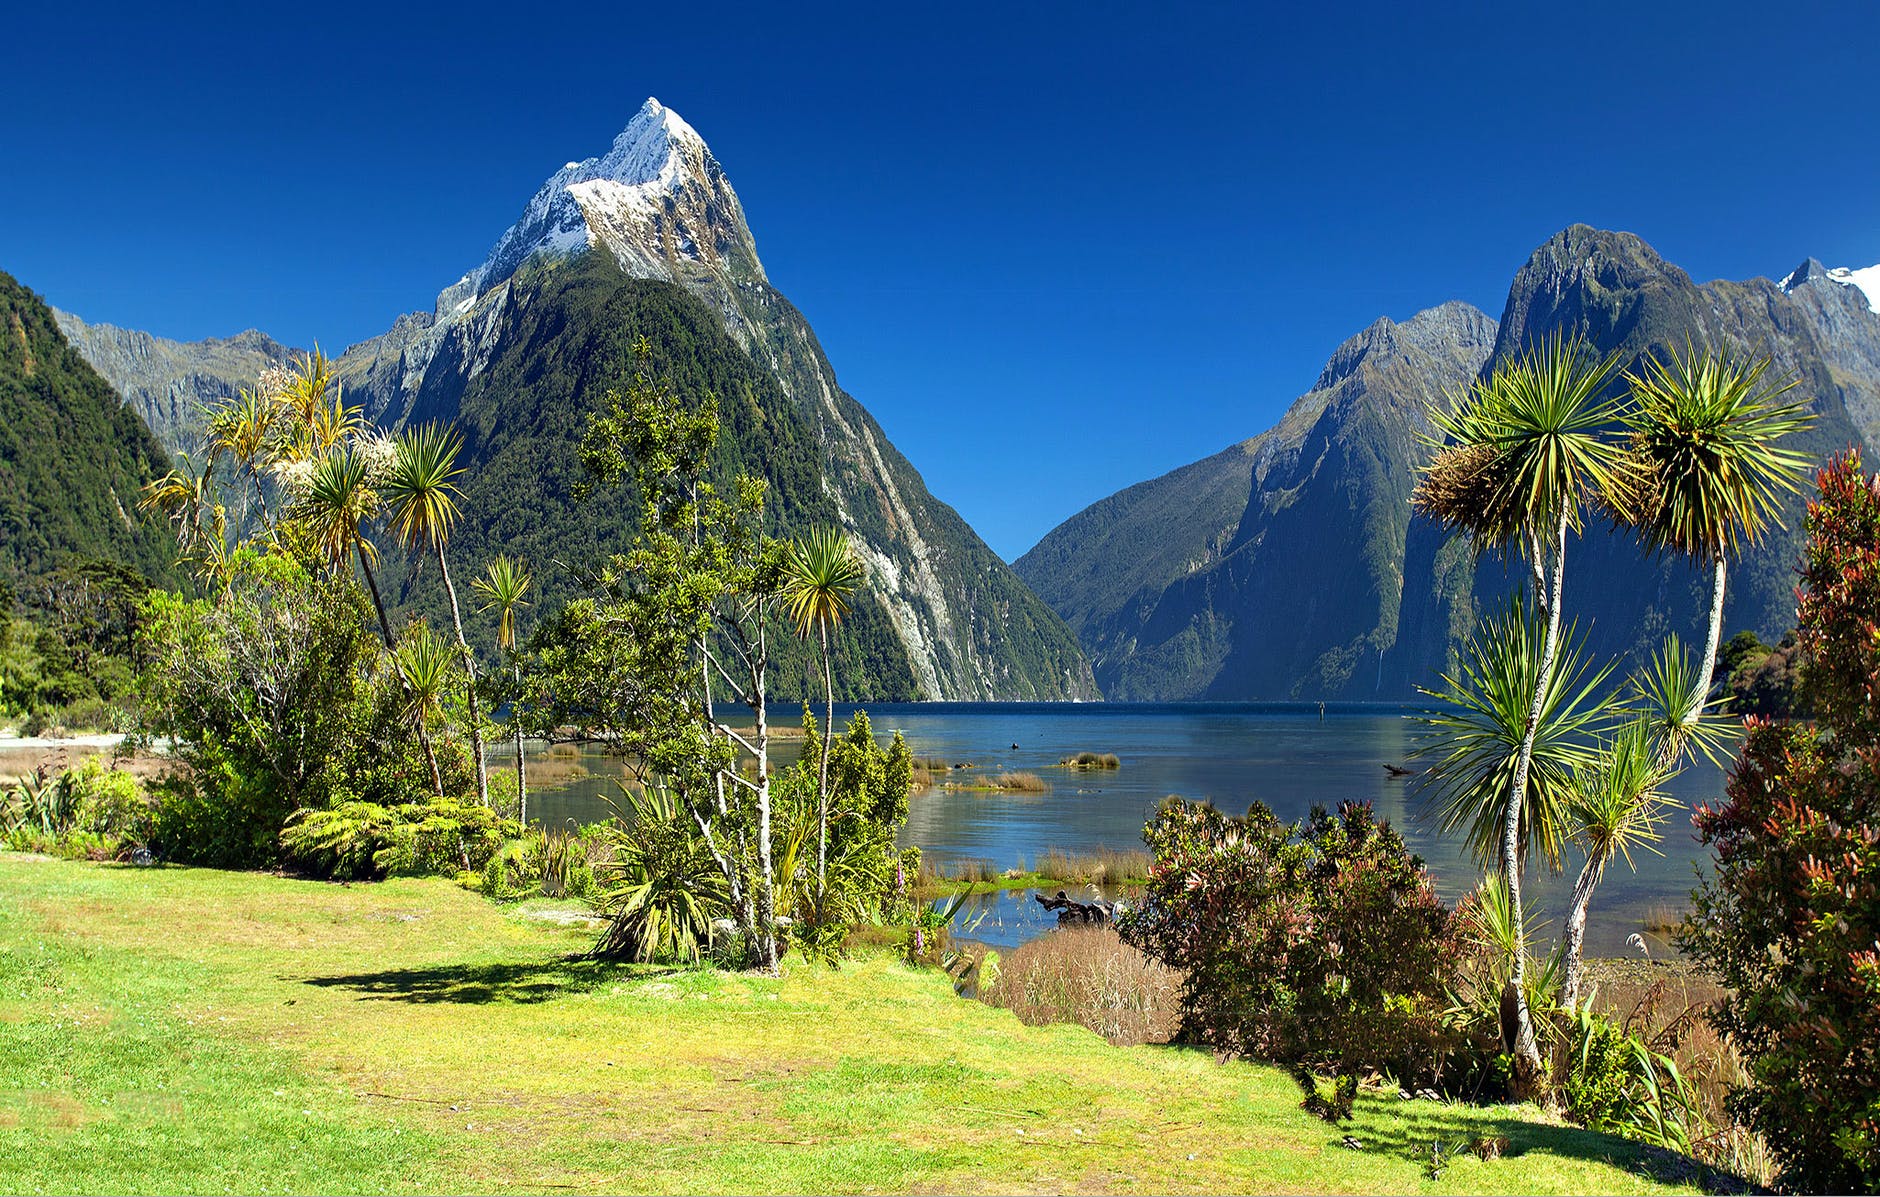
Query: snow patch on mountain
[(653, 199), (1866, 279)]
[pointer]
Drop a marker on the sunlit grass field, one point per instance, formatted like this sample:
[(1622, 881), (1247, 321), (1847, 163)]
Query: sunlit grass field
[(176, 1030)]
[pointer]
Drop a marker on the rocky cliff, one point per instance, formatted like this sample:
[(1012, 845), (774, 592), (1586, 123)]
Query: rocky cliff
[(1325, 587)]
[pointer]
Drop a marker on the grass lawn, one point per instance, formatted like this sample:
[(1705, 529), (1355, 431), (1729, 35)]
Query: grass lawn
[(188, 1030)]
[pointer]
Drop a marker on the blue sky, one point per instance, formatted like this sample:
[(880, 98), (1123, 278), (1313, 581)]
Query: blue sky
[(1055, 249)]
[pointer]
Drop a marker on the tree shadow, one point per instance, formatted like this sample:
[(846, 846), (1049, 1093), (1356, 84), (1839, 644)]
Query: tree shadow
[(1416, 1128), (480, 984)]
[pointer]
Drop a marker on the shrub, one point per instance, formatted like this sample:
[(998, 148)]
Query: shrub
[(110, 801), (1320, 946), (1089, 976), (342, 843), (1790, 920), (1614, 1081), (662, 890), (364, 840)]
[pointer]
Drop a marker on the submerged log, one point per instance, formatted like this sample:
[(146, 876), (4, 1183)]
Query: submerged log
[(1072, 912)]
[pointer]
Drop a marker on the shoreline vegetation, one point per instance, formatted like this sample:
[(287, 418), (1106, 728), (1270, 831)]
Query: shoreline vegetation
[(1125, 867)]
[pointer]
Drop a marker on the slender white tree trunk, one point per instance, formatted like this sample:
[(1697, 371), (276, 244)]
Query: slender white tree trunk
[(767, 888), (470, 671), (1715, 636), (822, 775), (1526, 1051)]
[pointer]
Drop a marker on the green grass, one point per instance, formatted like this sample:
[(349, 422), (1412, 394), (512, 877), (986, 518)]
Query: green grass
[(189, 1030)]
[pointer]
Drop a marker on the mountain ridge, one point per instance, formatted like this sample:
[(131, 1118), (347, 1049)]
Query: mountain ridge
[(659, 206), (1213, 632)]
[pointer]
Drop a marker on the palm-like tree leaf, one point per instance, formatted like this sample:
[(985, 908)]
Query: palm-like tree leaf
[(1475, 744), (420, 485), (1703, 474), (1523, 445), (1618, 800), (820, 575), (502, 586)]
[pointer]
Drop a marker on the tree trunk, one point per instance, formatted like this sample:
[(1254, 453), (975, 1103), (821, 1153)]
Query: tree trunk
[(767, 887), (822, 775), (1715, 635), (470, 671), (1572, 972), (1527, 1055), (372, 584), (430, 755), (522, 786)]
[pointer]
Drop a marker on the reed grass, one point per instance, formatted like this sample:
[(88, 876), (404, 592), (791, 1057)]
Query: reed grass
[(1054, 867), (1019, 783), (1092, 760), (1667, 1002), (1089, 976), (1105, 866)]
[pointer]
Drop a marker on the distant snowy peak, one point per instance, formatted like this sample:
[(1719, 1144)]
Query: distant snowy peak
[(1867, 279), (658, 200)]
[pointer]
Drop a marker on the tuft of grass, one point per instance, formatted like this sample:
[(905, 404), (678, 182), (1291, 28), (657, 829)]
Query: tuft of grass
[(1111, 867), (1664, 920), (1092, 760), (1089, 976), (1019, 783), (1105, 866), (191, 1030), (1002, 783)]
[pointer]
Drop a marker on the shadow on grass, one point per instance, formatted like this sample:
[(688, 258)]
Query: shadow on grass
[(478, 984), (1419, 1127)]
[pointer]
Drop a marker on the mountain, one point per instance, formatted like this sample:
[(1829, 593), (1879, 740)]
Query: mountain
[(658, 208), (1324, 586), (73, 457), (168, 382), (1176, 587)]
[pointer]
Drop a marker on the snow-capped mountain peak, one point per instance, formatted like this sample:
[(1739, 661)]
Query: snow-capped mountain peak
[(657, 200), (1866, 279)]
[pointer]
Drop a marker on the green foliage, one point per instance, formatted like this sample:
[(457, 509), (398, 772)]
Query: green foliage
[(69, 660), (273, 694), (1790, 919), (1526, 445), (549, 863), (1494, 940), (1703, 475), (867, 806), (1615, 1082), (367, 841), (88, 811), (72, 456), (1475, 743), (1321, 945), (663, 890), (342, 842)]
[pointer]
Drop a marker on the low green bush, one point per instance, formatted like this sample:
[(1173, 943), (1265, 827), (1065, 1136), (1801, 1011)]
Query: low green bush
[(366, 841), (1613, 1081)]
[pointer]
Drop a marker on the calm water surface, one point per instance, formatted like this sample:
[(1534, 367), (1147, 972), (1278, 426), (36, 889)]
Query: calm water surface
[(1289, 756)]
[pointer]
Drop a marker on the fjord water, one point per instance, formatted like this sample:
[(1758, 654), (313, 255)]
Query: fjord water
[(1289, 756)]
